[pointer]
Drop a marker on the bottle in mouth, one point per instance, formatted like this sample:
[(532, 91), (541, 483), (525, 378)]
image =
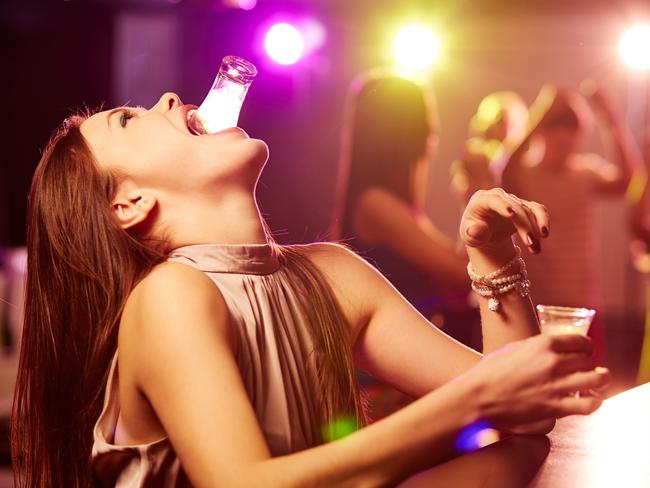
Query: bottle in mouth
[(221, 106)]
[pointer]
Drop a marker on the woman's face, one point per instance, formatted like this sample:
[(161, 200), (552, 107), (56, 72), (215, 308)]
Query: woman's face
[(156, 149)]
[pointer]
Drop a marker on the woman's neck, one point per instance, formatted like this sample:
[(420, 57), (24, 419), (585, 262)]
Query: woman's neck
[(231, 220)]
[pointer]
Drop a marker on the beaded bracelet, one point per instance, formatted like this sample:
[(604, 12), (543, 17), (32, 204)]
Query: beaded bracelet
[(498, 283)]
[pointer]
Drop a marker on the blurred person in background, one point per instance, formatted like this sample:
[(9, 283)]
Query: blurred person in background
[(640, 248), (495, 130), (389, 141), (548, 166), (640, 215)]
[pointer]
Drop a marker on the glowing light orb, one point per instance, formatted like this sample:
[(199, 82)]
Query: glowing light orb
[(284, 43), (339, 428), (634, 47), (242, 4), (476, 436), (416, 48)]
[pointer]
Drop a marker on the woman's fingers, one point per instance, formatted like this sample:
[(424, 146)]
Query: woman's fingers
[(523, 216), (534, 220), (596, 379), (529, 220), (567, 343), (583, 405), (527, 228), (478, 233), (498, 201), (541, 217), (571, 362)]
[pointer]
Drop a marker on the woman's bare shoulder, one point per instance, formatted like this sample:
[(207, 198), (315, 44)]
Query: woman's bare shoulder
[(331, 257), (172, 294), (173, 280), (357, 285)]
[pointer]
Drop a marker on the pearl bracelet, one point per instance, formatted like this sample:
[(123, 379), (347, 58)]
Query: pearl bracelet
[(497, 283)]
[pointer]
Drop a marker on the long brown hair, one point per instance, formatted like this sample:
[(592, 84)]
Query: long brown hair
[(81, 267), (386, 124), (336, 389)]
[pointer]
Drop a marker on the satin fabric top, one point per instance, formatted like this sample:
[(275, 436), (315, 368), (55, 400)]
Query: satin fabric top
[(274, 356)]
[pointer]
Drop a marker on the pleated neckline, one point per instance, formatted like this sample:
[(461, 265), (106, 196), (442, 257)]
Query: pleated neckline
[(259, 259)]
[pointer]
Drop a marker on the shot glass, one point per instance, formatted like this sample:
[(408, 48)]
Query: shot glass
[(556, 320)]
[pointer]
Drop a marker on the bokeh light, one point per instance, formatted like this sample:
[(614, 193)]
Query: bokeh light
[(634, 47), (242, 4), (284, 43), (416, 48), (339, 428), (475, 436)]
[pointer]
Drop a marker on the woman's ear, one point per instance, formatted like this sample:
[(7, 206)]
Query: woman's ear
[(131, 205)]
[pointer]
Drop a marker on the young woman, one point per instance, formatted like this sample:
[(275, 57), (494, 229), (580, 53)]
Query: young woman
[(169, 342), (390, 136)]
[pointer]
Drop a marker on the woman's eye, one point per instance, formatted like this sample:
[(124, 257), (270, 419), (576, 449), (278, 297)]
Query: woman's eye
[(125, 116)]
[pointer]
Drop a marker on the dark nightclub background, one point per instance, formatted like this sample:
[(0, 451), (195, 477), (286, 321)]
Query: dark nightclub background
[(61, 55)]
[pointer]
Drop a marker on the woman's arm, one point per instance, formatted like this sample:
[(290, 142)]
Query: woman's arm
[(381, 218), (399, 346), (548, 102), (175, 340), (616, 136), (489, 221), (392, 340)]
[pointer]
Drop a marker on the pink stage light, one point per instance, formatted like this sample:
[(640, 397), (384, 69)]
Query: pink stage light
[(242, 4), (284, 43)]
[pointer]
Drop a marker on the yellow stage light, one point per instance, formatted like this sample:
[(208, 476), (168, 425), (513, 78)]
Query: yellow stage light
[(416, 48)]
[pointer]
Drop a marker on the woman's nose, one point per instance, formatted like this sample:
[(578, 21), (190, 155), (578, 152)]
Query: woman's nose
[(167, 102)]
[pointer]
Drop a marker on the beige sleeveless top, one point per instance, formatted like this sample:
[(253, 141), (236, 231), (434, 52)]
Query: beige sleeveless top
[(274, 359)]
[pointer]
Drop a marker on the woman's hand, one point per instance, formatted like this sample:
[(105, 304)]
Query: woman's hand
[(533, 379), (492, 216), (471, 172)]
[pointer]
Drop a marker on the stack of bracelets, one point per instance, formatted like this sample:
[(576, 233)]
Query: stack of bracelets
[(497, 283)]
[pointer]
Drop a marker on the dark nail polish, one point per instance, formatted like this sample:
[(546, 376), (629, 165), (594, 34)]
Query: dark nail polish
[(511, 211), (545, 231)]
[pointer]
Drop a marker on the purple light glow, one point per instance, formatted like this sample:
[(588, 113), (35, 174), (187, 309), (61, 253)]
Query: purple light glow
[(284, 43), (475, 436), (242, 4)]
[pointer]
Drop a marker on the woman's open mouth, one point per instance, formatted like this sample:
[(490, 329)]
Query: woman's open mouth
[(192, 122)]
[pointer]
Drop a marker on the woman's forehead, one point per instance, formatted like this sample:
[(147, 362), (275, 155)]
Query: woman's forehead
[(95, 123), (97, 133)]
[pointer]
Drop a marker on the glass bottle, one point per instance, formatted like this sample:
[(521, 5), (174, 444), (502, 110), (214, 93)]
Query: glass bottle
[(220, 108)]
